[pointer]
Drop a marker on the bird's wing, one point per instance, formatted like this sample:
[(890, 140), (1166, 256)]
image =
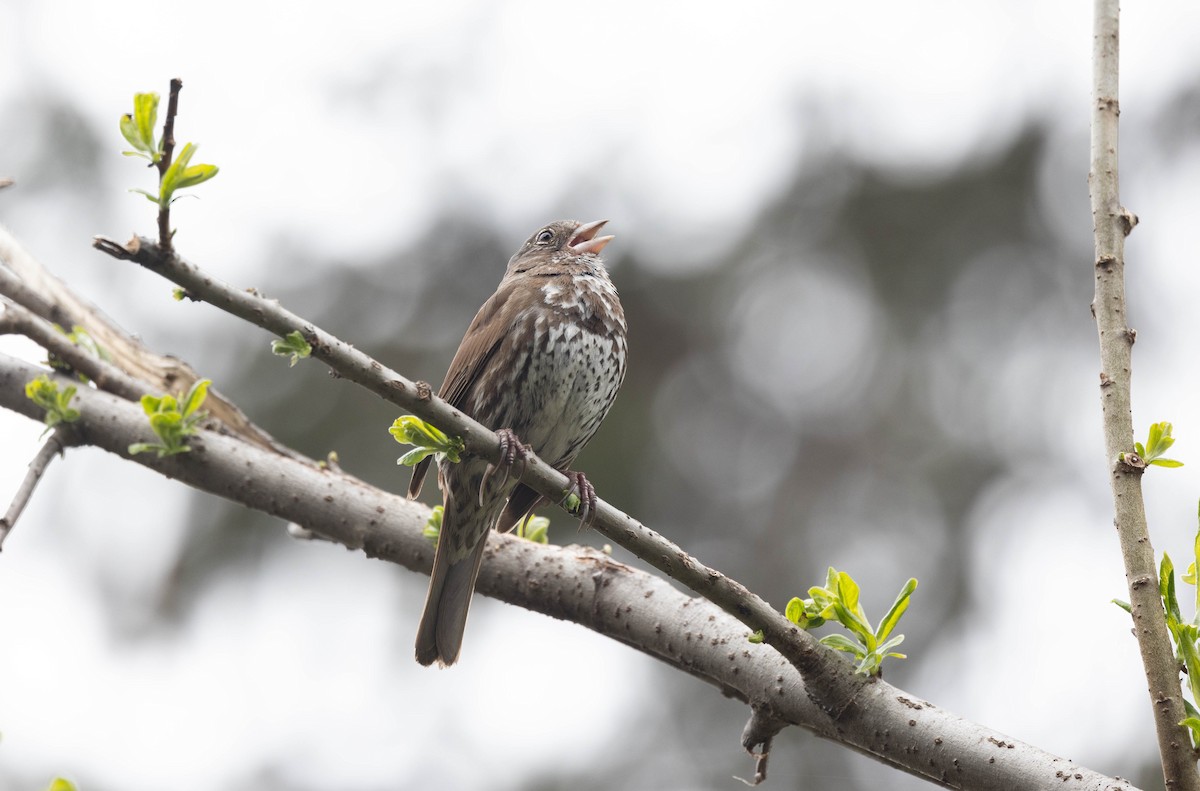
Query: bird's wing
[(488, 329)]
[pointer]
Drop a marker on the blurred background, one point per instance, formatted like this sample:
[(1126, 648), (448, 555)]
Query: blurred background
[(853, 244)]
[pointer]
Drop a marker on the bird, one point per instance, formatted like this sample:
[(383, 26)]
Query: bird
[(541, 364)]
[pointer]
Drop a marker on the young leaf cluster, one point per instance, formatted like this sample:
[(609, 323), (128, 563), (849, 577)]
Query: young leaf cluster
[(433, 525), (138, 130), (80, 337), (172, 421), (1151, 454), (428, 439), (534, 528), (45, 393), (1185, 634), (839, 600), (293, 345)]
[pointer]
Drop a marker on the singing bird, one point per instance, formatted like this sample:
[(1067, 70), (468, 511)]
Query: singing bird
[(541, 364)]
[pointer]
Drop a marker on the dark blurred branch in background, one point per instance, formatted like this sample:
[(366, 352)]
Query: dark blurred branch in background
[(1112, 223)]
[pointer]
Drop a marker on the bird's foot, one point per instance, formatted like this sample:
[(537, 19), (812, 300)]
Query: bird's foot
[(512, 450), (581, 489)]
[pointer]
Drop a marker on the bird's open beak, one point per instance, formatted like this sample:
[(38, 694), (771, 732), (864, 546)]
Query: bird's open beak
[(584, 240)]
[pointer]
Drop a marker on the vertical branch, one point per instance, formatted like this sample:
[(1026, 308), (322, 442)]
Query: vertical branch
[(1112, 223), (168, 148)]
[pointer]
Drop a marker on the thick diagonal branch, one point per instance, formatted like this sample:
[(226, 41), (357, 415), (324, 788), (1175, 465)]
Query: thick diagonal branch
[(589, 588)]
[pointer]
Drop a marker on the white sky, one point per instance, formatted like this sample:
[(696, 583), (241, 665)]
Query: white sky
[(348, 127)]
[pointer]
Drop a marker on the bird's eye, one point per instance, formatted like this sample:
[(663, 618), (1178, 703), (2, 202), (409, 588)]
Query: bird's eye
[(545, 236)]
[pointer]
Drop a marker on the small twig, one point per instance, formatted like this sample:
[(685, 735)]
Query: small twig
[(5, 181), (56, 443), (168, 142), (757, 736)]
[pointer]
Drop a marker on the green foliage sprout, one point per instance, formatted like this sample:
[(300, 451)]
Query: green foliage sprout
[(531, 528), (292, 344), (61, 784), (138, 130), (1151, 454), (1185, 634), (172, 422), (433, 526), (80, 337), (839, 600), (45, 393), (534, 528), (428, 439)]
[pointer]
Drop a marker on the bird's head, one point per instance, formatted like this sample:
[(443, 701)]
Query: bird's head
[(561, 242)]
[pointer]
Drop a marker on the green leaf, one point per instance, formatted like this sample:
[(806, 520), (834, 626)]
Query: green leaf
[(1193, 726), (44, 393), (196, 174), (757, 637), (1124, 605), (149, 195), (433, 525), (60, 784), (535, 529), (195, 396), (840, 642), (411, 430), (292, 344), (841, 600), (414, 457), (171, 424), (885, 647), (129, 131), (170, 179), (1157, 443), (145, 115), (1156, 434), (1166, 588), (898, 607)]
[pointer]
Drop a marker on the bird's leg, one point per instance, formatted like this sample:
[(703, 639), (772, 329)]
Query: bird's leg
[(511, 450), (581, 486)]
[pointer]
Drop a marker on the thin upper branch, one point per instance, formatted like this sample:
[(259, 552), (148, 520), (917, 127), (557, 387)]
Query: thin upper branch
[(1111, 224), (588, 587), (350, 363), (29, 284)]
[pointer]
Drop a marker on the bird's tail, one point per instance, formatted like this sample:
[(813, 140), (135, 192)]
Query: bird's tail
[(440, 635)]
